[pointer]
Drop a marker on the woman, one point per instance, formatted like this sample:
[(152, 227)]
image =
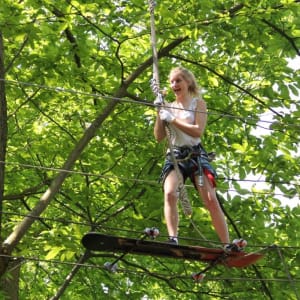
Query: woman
[(187, 119)]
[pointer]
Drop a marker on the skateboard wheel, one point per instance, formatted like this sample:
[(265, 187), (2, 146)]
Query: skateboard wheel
[(198, 277), (110, 267), (240, 243), (155, 232), (152, 232)]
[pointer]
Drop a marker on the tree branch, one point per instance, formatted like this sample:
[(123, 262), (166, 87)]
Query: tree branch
[(71, 275), (3, 139), (27, 192)]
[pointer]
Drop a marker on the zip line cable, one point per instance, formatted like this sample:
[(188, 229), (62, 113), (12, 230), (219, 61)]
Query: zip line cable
[(145, 103), (113, 177), (22, 259)]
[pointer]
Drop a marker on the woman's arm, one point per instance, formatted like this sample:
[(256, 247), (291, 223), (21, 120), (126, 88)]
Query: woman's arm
[(159, 129)]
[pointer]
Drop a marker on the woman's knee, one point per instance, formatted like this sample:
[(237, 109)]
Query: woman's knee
[(170, 195), (171, 186)]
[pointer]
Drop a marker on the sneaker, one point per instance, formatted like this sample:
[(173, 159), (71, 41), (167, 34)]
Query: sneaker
[(172, 241)]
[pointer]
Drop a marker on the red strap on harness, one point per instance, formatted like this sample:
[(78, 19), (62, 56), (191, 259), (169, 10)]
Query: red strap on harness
[(211, 177)]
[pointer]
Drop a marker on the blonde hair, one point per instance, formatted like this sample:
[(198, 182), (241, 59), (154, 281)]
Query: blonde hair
[(187, 75)]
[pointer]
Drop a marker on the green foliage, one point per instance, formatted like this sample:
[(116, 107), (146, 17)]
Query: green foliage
[(66, 60)]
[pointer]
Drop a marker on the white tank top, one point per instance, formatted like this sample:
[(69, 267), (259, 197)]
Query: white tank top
[(178, 137)]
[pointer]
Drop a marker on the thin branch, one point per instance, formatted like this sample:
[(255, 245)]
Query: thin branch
[(282, 33), (27, 192), (71, 275), (17, 54)]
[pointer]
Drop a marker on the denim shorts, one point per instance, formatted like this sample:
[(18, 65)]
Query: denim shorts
[(189, 168)]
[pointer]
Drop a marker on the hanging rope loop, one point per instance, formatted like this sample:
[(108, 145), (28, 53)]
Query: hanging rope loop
[(152, 4), (155, 87)]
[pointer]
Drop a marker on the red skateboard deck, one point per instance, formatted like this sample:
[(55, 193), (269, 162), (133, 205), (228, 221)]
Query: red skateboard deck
[(101, 242)]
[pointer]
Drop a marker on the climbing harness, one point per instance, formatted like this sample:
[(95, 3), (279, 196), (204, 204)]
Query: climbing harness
[(192, 161)]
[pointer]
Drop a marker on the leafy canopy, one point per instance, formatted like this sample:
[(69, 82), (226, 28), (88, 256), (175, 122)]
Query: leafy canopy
[(77, 87)]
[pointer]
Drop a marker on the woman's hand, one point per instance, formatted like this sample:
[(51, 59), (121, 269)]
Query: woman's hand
[(165, 115)]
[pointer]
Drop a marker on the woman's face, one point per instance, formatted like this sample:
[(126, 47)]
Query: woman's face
[(178, 84)]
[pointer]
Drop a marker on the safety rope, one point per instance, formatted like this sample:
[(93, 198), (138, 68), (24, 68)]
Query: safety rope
[(288, 274), (183, 196)]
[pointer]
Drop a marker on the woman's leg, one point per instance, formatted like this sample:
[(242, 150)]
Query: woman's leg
[(170, 203), (209, 197)]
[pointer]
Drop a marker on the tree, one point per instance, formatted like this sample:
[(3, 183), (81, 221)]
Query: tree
[(77, 151)]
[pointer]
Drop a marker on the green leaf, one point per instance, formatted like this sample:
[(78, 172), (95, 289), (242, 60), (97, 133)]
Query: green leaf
[(53, 253)]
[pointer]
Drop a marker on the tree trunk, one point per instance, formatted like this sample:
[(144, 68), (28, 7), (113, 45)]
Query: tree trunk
[(3, 127), (10, 283), (3, 139)]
